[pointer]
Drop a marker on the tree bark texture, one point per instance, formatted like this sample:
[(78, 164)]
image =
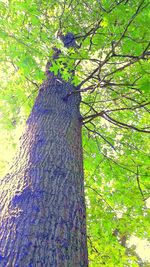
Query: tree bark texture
[(42, 206)]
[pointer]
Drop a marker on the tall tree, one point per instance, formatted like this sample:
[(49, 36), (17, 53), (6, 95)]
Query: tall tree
[(43, 208), (106, 60)]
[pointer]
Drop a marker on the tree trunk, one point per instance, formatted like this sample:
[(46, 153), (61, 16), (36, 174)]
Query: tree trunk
[(42, 221)]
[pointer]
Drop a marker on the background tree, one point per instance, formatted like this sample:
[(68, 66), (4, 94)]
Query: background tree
[(111, 72)]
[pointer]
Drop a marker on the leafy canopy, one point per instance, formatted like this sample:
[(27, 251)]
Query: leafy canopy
[(110, 67)]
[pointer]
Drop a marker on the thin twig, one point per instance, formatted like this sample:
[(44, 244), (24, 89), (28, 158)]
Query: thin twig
[(138, 182)]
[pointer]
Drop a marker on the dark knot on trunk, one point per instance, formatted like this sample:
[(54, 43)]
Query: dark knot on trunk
[(68, 40)]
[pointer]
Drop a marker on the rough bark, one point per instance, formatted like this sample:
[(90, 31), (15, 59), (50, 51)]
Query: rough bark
[(42, 209)]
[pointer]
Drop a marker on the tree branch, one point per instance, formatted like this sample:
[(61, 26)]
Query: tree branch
[(138, 182), (95, 132), (124, 125)]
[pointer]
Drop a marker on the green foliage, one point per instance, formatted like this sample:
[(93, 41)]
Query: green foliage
[(111, 68)]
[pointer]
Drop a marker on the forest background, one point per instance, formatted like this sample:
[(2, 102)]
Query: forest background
[(111, 64)]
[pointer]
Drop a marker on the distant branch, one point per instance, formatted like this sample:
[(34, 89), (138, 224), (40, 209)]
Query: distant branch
[(97, 133), (130, 21), (123, 125), (138, 182), (104, 115), (100, 195), (130, 109)]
